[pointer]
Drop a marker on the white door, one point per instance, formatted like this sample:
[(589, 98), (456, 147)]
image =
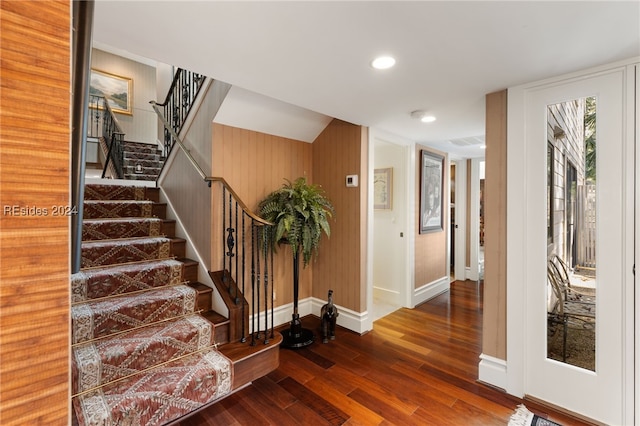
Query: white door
[(604, 390)]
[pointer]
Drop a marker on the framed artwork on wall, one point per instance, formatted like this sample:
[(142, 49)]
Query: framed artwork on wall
[(431, 190), (116, 90), (383, 188)]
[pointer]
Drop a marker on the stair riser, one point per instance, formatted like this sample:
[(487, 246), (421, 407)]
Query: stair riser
[(107, 230), (99, 253), (141, 156), (113, 210), (140, 147), (115, 192), (134, 169)]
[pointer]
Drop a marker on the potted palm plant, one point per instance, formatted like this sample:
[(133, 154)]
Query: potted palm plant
[(300, 213)]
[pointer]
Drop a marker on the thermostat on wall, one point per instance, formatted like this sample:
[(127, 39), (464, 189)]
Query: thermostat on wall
[(352, 180)]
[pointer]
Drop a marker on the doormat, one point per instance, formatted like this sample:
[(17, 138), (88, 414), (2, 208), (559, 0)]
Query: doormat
[(523, 417)]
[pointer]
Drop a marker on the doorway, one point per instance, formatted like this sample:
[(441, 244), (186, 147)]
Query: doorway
[(390, 272), (540, 232)]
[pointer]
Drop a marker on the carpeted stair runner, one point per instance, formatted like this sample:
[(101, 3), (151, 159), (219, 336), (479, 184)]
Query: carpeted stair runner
[(105, 360), (94, 319), (159, 396), (111, 252), (96, 209), (103, 229), (108, 281), (141, 355)]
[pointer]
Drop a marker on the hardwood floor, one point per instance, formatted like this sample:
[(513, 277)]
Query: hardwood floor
[(417, 367)]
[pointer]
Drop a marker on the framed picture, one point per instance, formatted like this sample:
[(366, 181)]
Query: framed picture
[(382, 188), (116, 90), (431, 190)]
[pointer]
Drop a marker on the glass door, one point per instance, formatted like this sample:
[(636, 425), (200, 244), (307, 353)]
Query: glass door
[(580, 172)]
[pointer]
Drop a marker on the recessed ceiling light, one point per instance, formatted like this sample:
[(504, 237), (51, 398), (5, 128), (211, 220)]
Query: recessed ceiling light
[(383, 62), (422, 116)]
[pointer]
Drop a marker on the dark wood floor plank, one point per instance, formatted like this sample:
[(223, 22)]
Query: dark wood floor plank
[(305, 415), (316, 358), (377, 390), (454, 391), (271, 390), (382, 407), (324, 409), (358, 414), (345, 358), (416, 367), (410, 388), (255, 399)]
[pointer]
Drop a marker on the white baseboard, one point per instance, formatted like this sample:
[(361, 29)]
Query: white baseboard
[(430, 290), (351, 320), (347, 318), (493, 371), (389, 296)]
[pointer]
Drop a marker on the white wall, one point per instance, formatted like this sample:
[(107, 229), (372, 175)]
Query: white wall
[(389, 251), (141, 125)]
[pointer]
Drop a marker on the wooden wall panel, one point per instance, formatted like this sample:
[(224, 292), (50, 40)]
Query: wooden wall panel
[(494, 324), (254, 164), (34, 243), (340, 150), (431, 248)]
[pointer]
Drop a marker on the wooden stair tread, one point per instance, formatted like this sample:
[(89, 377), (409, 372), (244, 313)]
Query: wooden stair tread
[(215, 318), (252, 362)]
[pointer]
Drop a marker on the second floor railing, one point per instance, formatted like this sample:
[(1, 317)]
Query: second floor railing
[(104, 124), (176, 107)]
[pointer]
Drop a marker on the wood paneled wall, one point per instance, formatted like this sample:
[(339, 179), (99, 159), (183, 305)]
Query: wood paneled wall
[(494, 324), (431, 248), (255, 164), (341, 150), (34, 237)]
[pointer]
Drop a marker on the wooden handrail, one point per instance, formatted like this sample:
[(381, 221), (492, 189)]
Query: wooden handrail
[(203, 175), (261, 221)]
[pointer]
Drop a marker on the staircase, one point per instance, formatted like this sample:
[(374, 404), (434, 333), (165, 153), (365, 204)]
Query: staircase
[(145, 341), (142, 161)]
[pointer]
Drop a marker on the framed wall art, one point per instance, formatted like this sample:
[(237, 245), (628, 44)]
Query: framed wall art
[(116, 90), (383, 188), (431, 190)]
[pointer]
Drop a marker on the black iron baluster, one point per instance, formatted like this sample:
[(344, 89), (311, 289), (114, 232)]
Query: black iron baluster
[(230, 246), (266, 290), (244, 229), (238, 299), (224, 218), (256, 313), (272, 284), (253, 282)]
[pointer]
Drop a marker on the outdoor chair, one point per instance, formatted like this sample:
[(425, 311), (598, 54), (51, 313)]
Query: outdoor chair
[(572, 308)]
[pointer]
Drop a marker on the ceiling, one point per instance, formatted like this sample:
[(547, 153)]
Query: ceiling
[(316, 55)]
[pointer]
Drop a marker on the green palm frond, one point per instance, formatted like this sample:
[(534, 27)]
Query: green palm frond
[(301, 213)]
